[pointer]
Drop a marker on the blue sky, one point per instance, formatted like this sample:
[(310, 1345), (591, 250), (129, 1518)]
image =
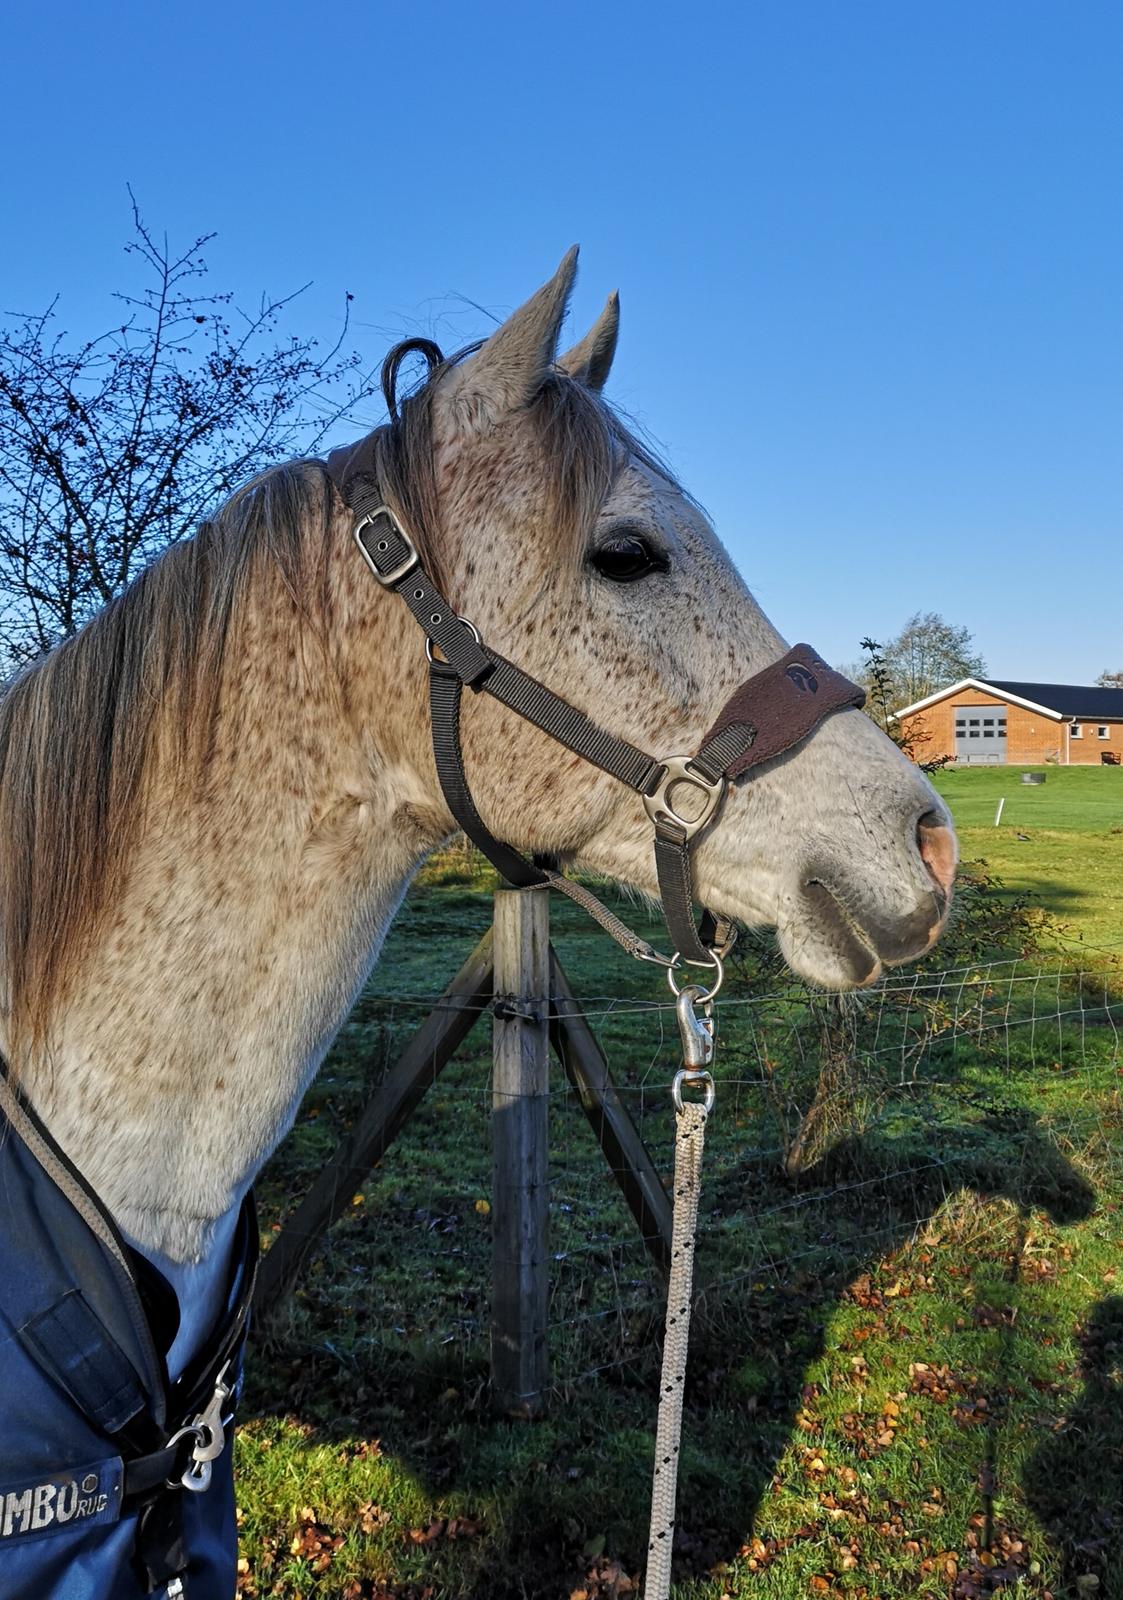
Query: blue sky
[(869, 254)]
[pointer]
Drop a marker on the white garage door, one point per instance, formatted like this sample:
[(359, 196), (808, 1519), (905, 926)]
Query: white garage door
[(980, 735)]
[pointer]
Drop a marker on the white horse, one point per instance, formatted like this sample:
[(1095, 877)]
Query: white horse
[(213, 798)]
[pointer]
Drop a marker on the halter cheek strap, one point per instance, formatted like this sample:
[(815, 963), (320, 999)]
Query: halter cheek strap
[(767, 715)]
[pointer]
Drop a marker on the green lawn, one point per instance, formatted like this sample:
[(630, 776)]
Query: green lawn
[(1060, 842), (1072, 799), (905, 1374)]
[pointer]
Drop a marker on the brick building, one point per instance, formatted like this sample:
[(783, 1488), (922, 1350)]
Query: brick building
[(981, 722)]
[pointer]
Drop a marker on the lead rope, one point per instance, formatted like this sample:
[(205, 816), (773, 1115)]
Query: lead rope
[(690, 1132)]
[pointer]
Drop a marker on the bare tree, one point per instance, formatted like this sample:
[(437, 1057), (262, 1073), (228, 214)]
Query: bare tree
[(1109, 680), (113, 448), (928, 654)]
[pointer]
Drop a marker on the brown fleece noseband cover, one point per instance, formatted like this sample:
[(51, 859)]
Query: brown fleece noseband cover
[(774, 710)]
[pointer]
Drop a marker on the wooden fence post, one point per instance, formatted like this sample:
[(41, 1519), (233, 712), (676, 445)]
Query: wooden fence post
[(520, 1119)]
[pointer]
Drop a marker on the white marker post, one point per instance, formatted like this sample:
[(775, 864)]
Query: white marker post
[(998, 813)]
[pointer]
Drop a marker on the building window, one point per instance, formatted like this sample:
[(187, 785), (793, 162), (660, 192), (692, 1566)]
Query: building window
[(1103, 731), (1077, 731)]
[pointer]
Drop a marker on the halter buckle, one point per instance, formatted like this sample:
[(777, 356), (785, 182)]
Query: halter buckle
[(676, 770), (408, 563)]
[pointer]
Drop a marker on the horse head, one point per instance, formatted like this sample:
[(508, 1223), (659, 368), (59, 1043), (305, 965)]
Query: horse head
[(579, 556)]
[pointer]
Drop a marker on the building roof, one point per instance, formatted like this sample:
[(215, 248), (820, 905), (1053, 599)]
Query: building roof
[(1061, 701), (1070, 699)]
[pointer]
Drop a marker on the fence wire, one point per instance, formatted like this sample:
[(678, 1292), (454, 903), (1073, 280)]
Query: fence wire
[(843, 1129)]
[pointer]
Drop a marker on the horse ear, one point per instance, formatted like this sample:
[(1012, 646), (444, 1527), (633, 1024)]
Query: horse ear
[(590, 361), (508, 370)]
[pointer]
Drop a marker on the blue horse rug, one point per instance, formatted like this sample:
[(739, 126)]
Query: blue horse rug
[(115, 1482)]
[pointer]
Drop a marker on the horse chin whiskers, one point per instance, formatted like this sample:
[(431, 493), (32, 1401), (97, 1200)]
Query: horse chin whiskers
[(837, 925), (753, 906), (888, 940)]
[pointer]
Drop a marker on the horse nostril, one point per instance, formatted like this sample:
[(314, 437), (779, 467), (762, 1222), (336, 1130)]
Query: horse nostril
[(938, 852)]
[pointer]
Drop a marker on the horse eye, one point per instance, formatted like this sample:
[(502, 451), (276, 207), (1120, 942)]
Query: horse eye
[(626, 558)]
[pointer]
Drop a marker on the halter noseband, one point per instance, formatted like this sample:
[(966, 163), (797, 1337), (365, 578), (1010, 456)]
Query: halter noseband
[(767, 715)]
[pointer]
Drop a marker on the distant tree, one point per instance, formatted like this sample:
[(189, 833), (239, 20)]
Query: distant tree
[(928, 654), (1110, 680), (113, 448)]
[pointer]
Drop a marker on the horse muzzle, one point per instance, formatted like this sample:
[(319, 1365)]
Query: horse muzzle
[(858, 927)]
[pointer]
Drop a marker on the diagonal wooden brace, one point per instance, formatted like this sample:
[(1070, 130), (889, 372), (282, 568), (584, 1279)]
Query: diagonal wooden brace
[(382, 1119), (627, 1155)]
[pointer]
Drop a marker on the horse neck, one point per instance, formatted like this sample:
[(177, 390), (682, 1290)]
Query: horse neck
[(254, 907)]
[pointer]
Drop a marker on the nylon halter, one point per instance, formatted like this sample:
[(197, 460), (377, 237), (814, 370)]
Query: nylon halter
[(768, 714)]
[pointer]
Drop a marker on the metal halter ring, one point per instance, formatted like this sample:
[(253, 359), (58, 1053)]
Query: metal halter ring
[(472, 629), (704, 995), (681, 770), (696, 1079)]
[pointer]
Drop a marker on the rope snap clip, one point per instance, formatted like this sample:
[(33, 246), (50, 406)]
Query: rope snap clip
[(697, 1035)]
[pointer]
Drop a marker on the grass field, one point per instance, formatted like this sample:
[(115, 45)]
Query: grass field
[(905, 1379), (1060, 841), (1086, 800)]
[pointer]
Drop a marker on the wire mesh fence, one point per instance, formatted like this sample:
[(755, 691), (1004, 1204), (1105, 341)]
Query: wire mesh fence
[(844, 1129)]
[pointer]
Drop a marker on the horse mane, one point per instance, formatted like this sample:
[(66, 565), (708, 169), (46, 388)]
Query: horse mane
[(83, 730), (80, 727)]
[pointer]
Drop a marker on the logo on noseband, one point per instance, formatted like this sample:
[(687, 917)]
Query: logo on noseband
[(804, 680)]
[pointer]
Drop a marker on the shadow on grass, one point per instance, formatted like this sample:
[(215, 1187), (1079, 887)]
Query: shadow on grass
[(1075, 1481), (582, 1474), (1051, 895)]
